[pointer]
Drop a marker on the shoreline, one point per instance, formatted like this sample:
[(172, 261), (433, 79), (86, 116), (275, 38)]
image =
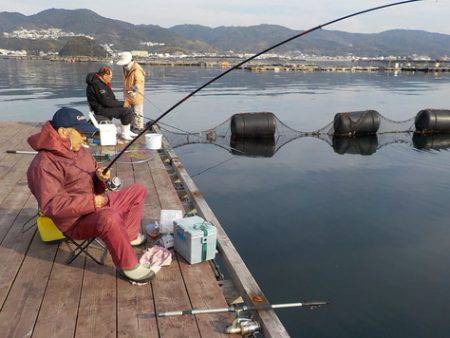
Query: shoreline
[(276, 66)]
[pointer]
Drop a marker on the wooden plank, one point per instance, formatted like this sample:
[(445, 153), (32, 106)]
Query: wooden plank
[(164, 186), (13, 168), (19, 313), (13, 249), (170, 294), (16, 141), (200, 282), (241, 276), (168, 287), (152, 206), (58, 313), (209, 325), (134, 301), (124, 170), (10, 130), (10, 180), (8, 136), (97, 311), (11, 206), (205, 293)]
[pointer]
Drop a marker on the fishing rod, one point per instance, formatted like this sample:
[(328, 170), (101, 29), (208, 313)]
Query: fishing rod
[(150, 124), (21, 152), (197, 135), (239, 309), (241, 325)]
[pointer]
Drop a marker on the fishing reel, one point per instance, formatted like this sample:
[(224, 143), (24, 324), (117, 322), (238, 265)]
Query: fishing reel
[(114, 183), (244, 326)]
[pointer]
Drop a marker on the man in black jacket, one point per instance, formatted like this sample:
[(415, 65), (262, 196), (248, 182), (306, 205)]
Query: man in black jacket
[(102, 100)]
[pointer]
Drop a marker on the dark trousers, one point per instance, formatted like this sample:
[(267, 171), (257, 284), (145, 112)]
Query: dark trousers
[(125, 115)]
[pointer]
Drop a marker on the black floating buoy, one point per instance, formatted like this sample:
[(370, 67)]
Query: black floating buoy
[(356, 123), (253, 125), (433, 121), (362, 145), (428, 142), (253, 147)]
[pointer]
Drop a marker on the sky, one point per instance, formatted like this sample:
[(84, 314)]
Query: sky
[(430, 15)]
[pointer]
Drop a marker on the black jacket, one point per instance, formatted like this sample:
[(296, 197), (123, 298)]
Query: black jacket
[(99, 95)]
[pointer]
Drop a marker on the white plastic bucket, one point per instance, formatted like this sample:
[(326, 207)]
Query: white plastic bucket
[(153, 141), (108, 135), (166, 219)]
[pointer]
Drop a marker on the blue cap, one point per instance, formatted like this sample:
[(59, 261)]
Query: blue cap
[(66, 117)]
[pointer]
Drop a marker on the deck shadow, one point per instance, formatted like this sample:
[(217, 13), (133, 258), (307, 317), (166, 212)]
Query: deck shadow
[(17, 240)]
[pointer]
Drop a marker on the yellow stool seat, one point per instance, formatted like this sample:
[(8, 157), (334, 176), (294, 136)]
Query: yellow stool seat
[(48, 230)]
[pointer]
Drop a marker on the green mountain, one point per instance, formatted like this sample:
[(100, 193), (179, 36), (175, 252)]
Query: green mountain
[(82, 46), (321, 42), (195, 38), (121, 34)]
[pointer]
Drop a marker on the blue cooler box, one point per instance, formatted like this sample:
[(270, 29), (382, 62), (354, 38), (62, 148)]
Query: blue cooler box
[(195, 239)]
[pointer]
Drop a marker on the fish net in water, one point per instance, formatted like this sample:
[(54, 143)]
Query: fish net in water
[(388, 132)]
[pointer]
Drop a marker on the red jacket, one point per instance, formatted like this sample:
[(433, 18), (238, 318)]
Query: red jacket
[(64, 182)]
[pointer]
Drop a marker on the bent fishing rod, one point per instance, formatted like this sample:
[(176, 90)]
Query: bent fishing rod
[(197, 135), (150, 124)]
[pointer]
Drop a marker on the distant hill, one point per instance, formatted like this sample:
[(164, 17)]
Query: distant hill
[(121, 34), (82, 46), (322, 42), (195, 38)]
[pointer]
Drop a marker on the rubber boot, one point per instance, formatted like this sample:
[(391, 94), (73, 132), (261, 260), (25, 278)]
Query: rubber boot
[(140, 239), (126, 133), (141, 273)]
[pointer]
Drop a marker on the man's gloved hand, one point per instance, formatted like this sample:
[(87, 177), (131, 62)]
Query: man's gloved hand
[(100, 201), (102, 177)]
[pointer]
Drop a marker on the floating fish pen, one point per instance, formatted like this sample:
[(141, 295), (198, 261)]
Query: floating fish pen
[(262, 134)]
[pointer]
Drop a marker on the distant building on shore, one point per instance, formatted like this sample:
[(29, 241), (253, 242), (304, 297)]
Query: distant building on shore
[(140, 53)]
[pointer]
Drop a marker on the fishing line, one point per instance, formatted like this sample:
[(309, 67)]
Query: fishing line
[(179, 129), (213, 166), (150, 124)]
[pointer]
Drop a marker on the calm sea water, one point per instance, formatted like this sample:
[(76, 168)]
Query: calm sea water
[(369, 233)]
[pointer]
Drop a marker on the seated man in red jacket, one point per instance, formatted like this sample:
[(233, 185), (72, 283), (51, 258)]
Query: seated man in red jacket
[(70, 189)]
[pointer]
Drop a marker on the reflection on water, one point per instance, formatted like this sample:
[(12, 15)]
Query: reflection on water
[(262, 147), (432, 142), (362, 145), (369, 233)]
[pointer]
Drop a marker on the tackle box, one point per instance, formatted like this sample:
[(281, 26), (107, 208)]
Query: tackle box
[(195, 239)]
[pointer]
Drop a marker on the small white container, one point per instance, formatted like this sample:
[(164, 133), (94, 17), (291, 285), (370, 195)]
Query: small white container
[(166, 241), (108, 131), (153, 141), (108, 134), (167, 218)]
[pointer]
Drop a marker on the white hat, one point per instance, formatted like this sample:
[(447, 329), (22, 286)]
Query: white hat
[(124, 59)]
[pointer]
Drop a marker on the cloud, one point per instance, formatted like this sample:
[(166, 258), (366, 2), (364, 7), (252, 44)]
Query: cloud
[(427, 15)]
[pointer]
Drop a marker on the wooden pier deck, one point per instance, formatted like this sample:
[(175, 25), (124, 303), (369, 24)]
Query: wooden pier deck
[(41, 296)]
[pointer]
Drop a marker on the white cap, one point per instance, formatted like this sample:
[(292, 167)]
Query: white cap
[(124, 58)]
